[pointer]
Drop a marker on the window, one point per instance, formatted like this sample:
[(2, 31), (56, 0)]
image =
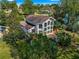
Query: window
[(51, 27), (45, 24), (33, 30), (48, 27), (48, 22), (51, 23), (45, 29), (51, 18), (48, 31), (40, 31), (40, 25)]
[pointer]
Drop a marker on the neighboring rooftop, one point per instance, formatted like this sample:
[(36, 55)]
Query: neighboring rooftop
[(25, 25)]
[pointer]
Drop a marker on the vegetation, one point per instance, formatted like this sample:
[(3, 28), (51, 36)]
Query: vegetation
[(5, 50), (64, 39), (40, 47), (27, 7), (66, 49), (19, 45)]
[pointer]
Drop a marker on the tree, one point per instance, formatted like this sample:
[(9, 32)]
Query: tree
[(5, 4), (76, 26), (12, 22), (5, 50), (71, 6), (76, 56), (68, 53), (2, 18), (39, 48), (27, 6), (65, 48), (64, 39)]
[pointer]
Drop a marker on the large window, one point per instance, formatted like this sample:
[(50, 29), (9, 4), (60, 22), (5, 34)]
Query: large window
[(48, 22), (45, 29), (40, 25), (48, 27), (51, 23), (45, 24)]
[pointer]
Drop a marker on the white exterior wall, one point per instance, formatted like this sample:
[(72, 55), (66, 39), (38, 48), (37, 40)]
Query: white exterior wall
[(50, 29), (30, 30), (38, 29)]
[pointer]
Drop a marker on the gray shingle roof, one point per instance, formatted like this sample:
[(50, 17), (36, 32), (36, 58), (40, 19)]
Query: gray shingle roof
[(35, 19)]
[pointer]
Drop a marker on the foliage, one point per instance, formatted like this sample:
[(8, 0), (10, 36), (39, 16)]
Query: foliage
[(39, 48), (64, 39), (57, 24), (36, 46), (76, 56), (5, 51), (27, 6), (76, 26), (68, 53), (2, 18), (70, 6), (66, 50)]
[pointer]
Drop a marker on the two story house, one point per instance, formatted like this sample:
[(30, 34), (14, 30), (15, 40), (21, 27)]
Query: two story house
[(38, 24)]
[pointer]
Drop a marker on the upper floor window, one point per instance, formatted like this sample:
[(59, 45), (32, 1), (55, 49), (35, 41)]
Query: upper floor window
[(51, 18), (48, 22), (51, 23), (48, 27), (40, 25), (45, 24)]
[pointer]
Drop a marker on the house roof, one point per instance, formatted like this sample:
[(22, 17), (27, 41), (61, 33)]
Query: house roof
[(35, 19), (25, 25)]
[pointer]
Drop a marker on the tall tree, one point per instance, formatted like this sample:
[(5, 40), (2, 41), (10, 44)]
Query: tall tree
[(65, 50), (27, 6), (64, 39), (70, 6)]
